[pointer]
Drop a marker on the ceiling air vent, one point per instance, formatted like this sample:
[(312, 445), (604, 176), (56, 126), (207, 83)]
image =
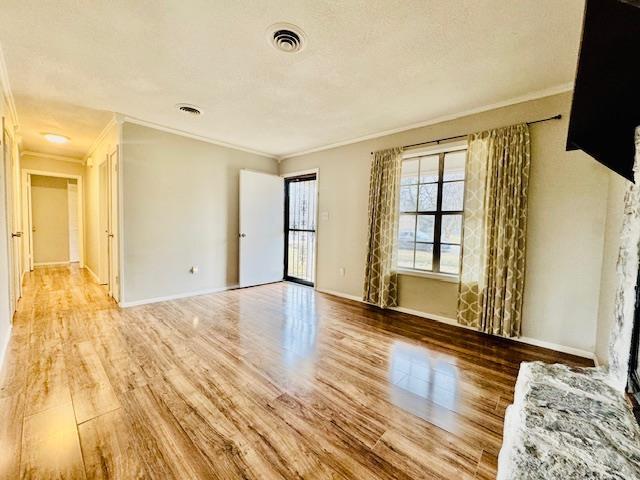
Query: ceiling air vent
[(286, 37), (188, 108)]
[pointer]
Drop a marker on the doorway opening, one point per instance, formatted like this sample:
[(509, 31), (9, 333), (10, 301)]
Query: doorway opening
[(300, 217), (53, 219), (108, 266)]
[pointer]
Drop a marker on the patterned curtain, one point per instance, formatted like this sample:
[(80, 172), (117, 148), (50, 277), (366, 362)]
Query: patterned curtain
[(495, 221), (380, 281)]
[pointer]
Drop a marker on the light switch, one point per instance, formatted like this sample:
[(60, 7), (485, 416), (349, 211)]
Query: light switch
[(324, 216)]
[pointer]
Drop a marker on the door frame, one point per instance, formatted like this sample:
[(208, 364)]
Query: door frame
[(113, 222), (103, 203), (11, 165), (301, 173), (109, 166), (28, 213)]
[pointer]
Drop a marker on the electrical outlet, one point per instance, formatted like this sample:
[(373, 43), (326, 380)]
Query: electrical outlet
[(194, 269), (324, 216)]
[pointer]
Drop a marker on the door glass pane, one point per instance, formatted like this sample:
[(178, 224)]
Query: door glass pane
[(450, 258), (425, 229), (451, 228), (424, 256), (429, 168), (408, 198), (454, 165), (428, 197), (302, 205), (452, 196), (409, 172), (300, 255)]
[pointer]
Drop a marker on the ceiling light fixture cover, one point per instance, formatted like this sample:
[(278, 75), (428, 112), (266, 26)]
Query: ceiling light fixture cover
[(286, 37), (55, 138), (189, 108)]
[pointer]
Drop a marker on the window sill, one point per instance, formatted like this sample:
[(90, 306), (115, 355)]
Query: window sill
[(444, 277)]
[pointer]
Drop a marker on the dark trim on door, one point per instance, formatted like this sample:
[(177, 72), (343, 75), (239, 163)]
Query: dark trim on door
[(288, 181)]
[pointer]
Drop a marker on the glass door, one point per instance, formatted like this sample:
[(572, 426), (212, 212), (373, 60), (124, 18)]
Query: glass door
[(300, 228)]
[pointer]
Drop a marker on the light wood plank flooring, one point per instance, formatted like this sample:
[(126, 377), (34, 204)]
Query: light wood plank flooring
[(268, 382)]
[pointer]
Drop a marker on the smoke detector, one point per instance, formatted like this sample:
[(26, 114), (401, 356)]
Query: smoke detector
[(286, 37), (188, 108)]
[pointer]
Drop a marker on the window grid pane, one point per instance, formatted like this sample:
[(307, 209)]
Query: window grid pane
[(430, 186)]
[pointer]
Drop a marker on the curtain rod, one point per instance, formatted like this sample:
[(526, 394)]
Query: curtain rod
[(555, 117)]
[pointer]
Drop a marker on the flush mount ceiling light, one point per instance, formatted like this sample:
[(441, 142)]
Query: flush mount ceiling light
[(189, 108), (286, 37), (55, 138)]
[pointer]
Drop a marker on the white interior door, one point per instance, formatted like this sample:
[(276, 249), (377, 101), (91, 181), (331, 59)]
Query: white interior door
[(29, 229), (113, 226), (261, 228), (14, 235), (72, 206), (103, 220)]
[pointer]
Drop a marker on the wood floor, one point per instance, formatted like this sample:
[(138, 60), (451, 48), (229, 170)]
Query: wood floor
[(268, 382)]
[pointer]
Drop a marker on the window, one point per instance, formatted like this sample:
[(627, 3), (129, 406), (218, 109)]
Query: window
[(431, 206)]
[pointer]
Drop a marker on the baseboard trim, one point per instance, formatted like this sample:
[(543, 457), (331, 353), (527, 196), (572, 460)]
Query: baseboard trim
[(50, 264), (557, 347), (335, 293), (177, 296), (5, 345), (93, 274), (452, 321)]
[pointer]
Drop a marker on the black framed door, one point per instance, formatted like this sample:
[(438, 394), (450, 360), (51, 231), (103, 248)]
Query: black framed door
[(300, 209)]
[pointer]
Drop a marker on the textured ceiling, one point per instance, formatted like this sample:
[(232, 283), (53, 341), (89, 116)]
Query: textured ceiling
[(42, 115), (368, 66)]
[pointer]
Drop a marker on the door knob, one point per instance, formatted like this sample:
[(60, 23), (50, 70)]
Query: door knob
[(17, 234), (242, 235), (110, 235)]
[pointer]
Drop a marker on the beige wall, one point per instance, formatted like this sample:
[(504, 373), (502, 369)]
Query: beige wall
[(92, 230), (567, 208), (30, 162), (615, 211), (50, 214), (180, 200)]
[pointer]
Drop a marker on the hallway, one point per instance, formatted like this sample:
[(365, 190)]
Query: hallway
[(275, 381)]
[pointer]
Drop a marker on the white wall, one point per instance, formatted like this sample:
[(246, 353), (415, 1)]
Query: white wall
[(180, 201), (565, 239)]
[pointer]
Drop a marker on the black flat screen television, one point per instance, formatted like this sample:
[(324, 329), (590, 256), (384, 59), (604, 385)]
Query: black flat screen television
[(606, 97)]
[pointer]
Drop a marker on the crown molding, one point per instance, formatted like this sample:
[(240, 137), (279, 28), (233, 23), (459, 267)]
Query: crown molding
[(547, 92), (194, 136), (61, 158), (5, 85), (101, 136)]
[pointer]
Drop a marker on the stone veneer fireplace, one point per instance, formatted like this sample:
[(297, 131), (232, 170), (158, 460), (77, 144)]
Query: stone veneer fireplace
[(575, 423), (634, 358)]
